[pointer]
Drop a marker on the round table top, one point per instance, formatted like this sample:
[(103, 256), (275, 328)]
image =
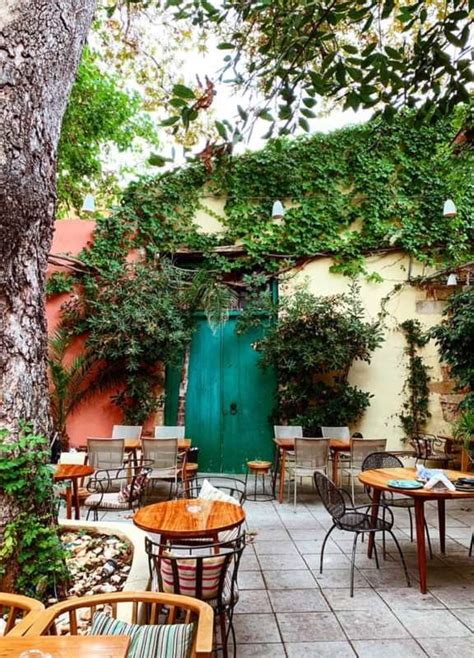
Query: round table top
[(377, 478), (71, 471), (259, 465), (189, 517)]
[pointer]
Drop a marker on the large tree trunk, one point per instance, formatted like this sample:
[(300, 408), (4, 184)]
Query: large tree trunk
[(40, 47)]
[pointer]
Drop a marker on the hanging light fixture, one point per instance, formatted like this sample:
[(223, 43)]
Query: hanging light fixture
[(278, 211), (452, 280), (89, 203), (449, 209)]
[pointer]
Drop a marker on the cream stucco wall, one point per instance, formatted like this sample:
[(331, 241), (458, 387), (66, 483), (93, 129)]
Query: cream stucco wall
[(385, 375)]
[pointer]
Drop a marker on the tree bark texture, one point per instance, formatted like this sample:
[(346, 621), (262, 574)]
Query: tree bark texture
[(40, 47)]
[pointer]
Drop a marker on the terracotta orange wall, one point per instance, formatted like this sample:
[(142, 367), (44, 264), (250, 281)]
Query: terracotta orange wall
[(97, 417)]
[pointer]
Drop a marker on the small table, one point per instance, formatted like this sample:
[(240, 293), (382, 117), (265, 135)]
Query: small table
[(68, 646), (73, 472), (377, 480), (262, 468), (283, 446), (189, 518)]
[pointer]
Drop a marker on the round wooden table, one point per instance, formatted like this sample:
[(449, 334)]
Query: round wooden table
[(73, 472), (189, 518), (377, 480)]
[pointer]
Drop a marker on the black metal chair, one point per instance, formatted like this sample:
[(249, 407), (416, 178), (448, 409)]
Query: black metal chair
[(117, 488), (471, 546), (358, 520), (207, 572), (387, 460)]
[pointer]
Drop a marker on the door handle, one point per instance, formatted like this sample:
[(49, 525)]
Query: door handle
[(233, 408)]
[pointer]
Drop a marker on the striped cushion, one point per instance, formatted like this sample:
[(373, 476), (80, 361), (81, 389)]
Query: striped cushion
[(187, 571), (108, 500), (161, 641)]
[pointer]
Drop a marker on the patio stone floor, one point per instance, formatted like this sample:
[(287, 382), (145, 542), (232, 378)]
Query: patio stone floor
[(287, 608)]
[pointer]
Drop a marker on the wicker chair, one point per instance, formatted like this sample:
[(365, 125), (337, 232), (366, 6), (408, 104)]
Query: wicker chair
[(387, 460), (358, 520), (21, 612), (127, 431), (205, 571), (117, 488), (105, 453), (163, 454), (169, 432), (310, 455), (148, 608), (360, 448)]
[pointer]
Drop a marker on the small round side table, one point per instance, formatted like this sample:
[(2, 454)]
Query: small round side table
[(262, 468)]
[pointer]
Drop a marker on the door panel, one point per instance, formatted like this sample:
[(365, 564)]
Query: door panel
[(203, 399), (246, 429), (229, 399)]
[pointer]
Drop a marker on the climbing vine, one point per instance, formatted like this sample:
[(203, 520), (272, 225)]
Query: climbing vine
[(348, 193), (415, 411)]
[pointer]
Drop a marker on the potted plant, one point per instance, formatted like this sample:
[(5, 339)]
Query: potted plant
[(464, 432)]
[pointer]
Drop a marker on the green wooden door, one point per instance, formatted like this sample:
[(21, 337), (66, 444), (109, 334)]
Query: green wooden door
[(229, 399)]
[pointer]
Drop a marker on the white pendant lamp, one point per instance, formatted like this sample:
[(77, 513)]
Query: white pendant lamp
[(449, 209), (452, 280), (278, 211), (89, 203)]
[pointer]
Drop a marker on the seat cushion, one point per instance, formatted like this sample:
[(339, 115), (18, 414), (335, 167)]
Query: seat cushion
[(210, 492), (107, 501), (187, 575), (159, 641)]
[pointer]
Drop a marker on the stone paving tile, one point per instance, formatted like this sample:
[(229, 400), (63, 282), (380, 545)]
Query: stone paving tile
[(387, 577), (432, 623), (455, 597), (253, 601), (281, 562), (255, 628), (441, 648), (276, 548), (339, 578), (319, 650), (270, 534), (297, 600), (388, 649), (331, 560), (409, 598), (307, 533), (363, 599), (260, 651), (298, 579), (309, 546), (466, 616), (371, 624), (250, 580), (309, 627)]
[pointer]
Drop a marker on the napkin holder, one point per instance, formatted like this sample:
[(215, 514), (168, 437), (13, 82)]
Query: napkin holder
[(439, 482)]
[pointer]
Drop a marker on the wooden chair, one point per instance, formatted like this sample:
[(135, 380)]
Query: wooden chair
[(105, 453), (162, 454), (21, 612), (148, 608)]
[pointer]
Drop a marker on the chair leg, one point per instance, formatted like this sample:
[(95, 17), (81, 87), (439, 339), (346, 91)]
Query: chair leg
[(354, 547), (223, 634), (428, 539), (411, 524), (471, 546), (323, 547), (294, 495), (376, 555), (353, 486), (401, 557), (384, 549)]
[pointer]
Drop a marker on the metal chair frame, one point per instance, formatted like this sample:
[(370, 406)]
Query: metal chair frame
[(387, 460), (223, 606), (357, 519)]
